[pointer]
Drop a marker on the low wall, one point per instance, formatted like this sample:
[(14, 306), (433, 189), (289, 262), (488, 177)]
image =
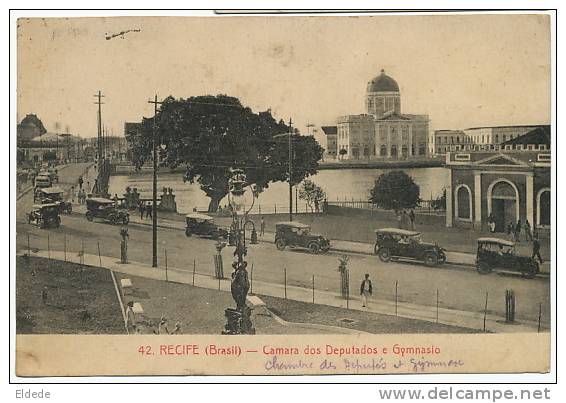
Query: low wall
[(421, 218)]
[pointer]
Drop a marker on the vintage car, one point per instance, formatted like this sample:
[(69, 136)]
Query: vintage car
[(45, 215), (53, 195), (105, 209), (203, 225), (394, 243), (295, 234), (495, 253), (42, 180)]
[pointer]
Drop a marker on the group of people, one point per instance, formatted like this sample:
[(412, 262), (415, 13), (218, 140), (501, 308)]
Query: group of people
[(513, 229), (145, 208)]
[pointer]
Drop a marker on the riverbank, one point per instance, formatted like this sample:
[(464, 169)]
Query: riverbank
[(372, 164)]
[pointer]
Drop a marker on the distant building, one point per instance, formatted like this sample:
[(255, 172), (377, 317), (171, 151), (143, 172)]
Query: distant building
[(510, 181), (331, 149), (383, 132), (51, 147), (480, 138), (444, 141)]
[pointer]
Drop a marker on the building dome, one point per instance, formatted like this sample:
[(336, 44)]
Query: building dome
[(382, 83)]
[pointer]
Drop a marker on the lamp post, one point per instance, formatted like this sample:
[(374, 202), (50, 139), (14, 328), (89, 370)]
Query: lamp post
[(238, 320), (154, 197)]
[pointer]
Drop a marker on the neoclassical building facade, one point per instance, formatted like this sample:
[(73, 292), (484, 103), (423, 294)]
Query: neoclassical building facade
[(383, 132)]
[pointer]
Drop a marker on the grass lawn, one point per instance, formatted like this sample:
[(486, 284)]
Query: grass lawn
[(296, 311), (54, 297)]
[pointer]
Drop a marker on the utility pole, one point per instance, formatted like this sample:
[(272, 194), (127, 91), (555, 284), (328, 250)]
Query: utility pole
[(99, 137), (290, 170), (154, 206)]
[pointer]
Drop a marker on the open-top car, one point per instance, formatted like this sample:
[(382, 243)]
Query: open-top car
[(203, 225), (394, 243), (295, 234), (495, 253), (53, 195), (45, 215), (105, 209)]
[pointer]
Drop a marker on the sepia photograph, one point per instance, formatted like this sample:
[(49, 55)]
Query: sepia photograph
[(284, 194)]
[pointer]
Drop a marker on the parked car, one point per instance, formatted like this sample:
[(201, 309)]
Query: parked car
[(495, 253), (42, 180), (45, 215), (394, 243), (296, 234), (105, 209), (53, 195), (203, 225)]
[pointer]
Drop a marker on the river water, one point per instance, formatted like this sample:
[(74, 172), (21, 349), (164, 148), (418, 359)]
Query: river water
[(339, 184)]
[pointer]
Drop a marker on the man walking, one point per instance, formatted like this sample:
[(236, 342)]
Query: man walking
[(536, 248), (412, 218), (81, 182), (141, 208), (518, 231), (149, 210), (528, 232), (366, 290), (130, 318), (262, 227)]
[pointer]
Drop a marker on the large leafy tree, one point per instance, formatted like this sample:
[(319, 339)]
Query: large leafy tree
[(210, 135), (395, 190), (311, 193)]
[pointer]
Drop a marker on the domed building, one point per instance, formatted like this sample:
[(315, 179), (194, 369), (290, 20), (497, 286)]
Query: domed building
[(383, 132)]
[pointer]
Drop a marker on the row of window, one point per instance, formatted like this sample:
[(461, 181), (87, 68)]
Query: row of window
[(477, 139), (520, 147), (383, 150)]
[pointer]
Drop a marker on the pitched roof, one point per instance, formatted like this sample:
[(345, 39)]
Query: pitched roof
[(539, 135)]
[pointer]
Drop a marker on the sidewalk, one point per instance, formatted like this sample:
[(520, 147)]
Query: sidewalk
[(471, 320)]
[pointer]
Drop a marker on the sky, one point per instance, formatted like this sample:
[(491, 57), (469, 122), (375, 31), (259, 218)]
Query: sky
[(461, 70)]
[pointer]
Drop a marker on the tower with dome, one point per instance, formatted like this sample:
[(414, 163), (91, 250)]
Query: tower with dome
[(383, 132)]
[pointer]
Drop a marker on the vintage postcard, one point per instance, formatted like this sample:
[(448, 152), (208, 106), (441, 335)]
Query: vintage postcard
[(284, 195)]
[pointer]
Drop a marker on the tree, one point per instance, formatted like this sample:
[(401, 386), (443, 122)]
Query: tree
[(32, 119), (311, 193), (210, 135), (395, 190)]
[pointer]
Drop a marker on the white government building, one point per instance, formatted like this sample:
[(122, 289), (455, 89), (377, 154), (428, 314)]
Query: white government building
[(383, 132)]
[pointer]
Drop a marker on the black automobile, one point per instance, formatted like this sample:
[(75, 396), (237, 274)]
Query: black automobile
[(298, 235), (203, 225), (495, 253), (393, 243), (45, 215), (105, 209), (53, 195)]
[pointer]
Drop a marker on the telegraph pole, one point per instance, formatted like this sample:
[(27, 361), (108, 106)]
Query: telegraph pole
[(99, 137), (290, 170), (154, 206)]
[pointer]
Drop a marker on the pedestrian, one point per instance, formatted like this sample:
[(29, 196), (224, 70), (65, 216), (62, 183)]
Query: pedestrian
[(141, 208), (130, 318), (115, 198), (316, 209), (81, 182), (528, 232), (72, 194), (412, 219), (536, 248), (491, 223), (88, 189), (366, 290), (518, 231), (262, 227), (511, 231), (149, 210)]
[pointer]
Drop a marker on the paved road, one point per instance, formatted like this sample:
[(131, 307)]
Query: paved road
[(458, 289)]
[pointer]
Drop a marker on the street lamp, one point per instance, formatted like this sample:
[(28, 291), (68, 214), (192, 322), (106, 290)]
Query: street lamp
[(154, 196), (238, 320)]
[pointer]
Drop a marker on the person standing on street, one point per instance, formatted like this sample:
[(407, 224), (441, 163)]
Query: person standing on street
[(536, 248), (366, 290), (141, 208), (149, 210), (528, 232), (81, 182), (130, 318), (262, 227), (412, 219), (518, 231)]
